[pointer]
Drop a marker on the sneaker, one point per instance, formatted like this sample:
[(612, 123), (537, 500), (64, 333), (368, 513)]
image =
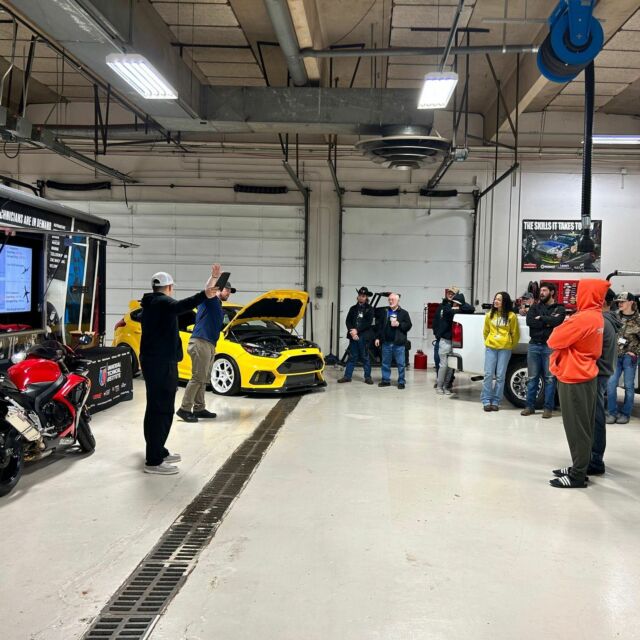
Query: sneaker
[(439, 391), (204, 413), (343, 379), (622, 419), (368, 381), (547, 413), (401, 385), (566, 482), (528, 411), (610, 419), (494, 407), (384, 383), (487, 407), (187, 416), (162, 469), (173, 458), (566, 471), (447, 391)]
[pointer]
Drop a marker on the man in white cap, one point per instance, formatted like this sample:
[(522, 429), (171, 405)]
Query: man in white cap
[(160, 352)]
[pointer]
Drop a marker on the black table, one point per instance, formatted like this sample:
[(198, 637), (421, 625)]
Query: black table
[(110, 375)]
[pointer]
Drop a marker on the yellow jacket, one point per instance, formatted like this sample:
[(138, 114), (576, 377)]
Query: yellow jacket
[(501, 334)]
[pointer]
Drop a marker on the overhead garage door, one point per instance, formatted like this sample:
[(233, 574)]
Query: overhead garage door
[(410, 251), (262, 247)]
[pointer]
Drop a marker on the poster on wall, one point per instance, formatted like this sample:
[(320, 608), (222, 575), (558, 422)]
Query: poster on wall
[(552, 245)]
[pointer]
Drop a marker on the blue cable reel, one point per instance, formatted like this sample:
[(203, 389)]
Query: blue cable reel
[(575, 38)]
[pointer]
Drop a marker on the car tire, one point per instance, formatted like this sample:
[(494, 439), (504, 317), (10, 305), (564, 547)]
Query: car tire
[(515, 384), (225, 377)]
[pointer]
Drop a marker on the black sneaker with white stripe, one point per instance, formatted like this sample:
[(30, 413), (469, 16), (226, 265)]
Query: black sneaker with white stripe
[(567, 482), (565, 471)]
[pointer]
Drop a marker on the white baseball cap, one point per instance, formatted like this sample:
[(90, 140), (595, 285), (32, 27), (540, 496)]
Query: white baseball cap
[(161, 279)]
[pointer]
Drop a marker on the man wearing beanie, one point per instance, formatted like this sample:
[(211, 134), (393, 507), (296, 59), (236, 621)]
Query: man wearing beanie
[(577, 345)]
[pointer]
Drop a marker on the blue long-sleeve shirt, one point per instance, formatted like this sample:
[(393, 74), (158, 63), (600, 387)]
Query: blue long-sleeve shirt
[(209, 320)]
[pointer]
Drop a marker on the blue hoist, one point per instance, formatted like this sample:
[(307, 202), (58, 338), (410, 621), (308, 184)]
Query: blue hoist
[(575, 39)]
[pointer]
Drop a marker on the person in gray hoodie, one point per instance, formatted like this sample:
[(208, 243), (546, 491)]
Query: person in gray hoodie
[(606, 367)]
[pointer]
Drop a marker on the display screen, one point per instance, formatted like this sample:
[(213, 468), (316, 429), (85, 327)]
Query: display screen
[(16, 265)]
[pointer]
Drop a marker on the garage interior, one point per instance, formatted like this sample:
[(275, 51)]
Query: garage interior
[(295, 156)]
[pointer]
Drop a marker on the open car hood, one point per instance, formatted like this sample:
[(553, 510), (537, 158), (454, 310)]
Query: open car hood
[(284, 306)]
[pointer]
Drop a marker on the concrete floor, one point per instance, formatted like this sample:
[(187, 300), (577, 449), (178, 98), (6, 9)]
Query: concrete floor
[(377, 513)]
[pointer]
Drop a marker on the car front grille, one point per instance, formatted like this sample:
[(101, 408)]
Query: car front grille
[(301, 364)]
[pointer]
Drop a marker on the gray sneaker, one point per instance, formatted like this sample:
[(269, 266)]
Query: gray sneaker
[(173, 458), (162, 469), (622, 419), (440, 391), (610, 419), (447, 392)]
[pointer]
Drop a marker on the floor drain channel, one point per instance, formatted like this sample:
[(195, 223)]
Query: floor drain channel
[(135, 608)]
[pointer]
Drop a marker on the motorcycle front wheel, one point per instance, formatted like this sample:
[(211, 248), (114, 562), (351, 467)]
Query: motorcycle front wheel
[(11, 458), (85, 437)]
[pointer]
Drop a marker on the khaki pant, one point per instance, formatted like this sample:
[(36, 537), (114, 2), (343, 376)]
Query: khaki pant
[(202, 353)]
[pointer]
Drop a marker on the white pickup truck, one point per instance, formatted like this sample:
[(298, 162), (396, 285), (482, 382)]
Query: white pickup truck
[(468, 355)]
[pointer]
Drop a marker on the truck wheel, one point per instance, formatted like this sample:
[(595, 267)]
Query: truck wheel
[(515, 385)]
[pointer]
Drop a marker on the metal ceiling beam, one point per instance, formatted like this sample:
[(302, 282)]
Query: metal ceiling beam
[(416, 51), (533, 86), (89, 30)]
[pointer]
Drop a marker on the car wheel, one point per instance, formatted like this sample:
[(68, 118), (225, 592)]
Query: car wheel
[(515, 386), (225, 377)]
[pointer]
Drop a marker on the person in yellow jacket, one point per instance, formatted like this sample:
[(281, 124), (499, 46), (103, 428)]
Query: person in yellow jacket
[(501, 335)]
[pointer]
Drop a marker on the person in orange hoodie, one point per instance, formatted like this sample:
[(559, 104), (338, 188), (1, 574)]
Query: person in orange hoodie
[(577, 345)]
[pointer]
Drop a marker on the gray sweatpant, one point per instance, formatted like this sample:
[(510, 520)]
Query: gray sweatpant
[(578, 405), (202, 353)]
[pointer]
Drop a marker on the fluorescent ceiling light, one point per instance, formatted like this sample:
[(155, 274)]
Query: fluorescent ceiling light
[(140, 74), (616, 139), (437, 89)]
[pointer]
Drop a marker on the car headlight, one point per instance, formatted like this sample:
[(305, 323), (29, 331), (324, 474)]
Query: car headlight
[(256, 350)]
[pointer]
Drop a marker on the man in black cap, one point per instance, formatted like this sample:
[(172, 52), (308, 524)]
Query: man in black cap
[(202, 351), (359, 331)]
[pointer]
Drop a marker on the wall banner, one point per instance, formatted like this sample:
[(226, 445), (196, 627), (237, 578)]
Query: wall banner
[(552, 245)]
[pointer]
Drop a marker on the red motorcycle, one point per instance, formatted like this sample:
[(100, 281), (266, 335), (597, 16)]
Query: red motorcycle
[(42, 407)]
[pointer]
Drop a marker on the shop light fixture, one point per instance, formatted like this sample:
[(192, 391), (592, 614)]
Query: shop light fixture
[(142, 76), (616, 139), (437, 89)]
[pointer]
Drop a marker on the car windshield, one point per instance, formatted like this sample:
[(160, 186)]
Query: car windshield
[(259, 326)]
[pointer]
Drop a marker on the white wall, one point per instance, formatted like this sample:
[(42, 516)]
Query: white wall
[(544, 188)]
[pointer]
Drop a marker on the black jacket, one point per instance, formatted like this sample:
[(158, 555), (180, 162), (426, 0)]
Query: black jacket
[(363, 324), (551, 316), (400, 332), (443, 319), (160, 338), (609, 358)]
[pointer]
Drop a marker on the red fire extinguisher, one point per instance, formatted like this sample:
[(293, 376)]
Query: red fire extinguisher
[(420, 360)]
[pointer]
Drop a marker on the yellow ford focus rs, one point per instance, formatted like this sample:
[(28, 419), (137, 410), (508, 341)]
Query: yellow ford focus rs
[(258, 350)]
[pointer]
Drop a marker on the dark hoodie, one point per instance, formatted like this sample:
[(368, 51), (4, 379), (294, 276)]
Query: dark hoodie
[(443, 319), (608, 360), (160, 338), (577, 342)]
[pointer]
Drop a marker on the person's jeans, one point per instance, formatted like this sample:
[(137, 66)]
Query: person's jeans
[(358, 350), (495, 366), (600, 426), (538, 367), (626, 366), (389, 352), (445, 373), (436, 354)]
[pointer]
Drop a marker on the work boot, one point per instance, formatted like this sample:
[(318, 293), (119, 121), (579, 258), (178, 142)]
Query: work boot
[(368, 380), (527, 411), (547, 413), (343, 379)]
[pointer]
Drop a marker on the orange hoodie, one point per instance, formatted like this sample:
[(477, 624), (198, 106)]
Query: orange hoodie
[(577, 342)]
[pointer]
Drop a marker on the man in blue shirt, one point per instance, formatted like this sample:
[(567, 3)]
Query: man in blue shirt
[(202, 351)]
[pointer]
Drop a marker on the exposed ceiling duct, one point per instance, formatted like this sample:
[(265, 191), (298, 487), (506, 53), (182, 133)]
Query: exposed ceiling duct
[(405, 148)]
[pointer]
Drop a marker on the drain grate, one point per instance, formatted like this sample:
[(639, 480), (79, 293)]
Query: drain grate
[(135, 608)]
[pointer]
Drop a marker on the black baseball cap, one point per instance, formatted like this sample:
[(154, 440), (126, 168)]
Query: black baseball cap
[(228, 286)]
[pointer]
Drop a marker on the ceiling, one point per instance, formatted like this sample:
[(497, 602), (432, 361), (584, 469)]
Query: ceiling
[(233, 43)]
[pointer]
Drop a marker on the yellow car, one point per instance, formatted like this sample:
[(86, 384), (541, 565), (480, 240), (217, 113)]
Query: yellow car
[(257, 351)]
